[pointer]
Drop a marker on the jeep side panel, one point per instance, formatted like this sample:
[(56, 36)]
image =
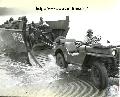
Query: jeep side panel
[(78, 58)]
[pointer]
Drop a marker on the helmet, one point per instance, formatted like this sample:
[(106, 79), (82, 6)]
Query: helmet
[(32, 22), (41, 18), (11, 19), (90, 31)]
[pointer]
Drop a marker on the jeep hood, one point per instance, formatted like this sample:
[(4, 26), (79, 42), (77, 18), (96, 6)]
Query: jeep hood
[(99, 49)]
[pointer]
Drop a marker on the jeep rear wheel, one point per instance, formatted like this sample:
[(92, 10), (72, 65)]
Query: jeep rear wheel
[(60, 60), (99, 75)]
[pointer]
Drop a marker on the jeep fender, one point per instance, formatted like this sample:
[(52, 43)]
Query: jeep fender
[(108, 61), (90, 58), (63, 52)]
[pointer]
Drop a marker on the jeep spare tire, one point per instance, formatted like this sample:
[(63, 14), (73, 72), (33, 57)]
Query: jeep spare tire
[(99, 75), (60, 60)]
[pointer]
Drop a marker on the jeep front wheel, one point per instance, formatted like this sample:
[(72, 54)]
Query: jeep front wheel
[(99, 75), (60, 60)]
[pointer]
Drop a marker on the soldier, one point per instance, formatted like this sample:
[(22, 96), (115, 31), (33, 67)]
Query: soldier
[(32, 32), (42, 28), (32, 26), (88, 37), (42, 22), (11, 20)]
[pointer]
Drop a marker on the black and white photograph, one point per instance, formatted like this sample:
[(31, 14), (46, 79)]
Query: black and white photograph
[(68, 48)]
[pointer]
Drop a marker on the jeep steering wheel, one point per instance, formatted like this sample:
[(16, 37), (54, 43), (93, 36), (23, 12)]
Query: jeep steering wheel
[(78, 43)]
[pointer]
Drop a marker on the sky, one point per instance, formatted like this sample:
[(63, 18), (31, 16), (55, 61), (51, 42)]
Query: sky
[(102, 16)]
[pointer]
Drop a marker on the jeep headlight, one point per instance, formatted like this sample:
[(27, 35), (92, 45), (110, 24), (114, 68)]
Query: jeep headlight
[(54, 46), (113, 52)]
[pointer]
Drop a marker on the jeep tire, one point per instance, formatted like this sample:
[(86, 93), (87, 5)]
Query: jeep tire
[(60, 60), (99, 75)]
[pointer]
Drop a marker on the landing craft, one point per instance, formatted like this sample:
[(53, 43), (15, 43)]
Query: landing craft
[(15, 36)]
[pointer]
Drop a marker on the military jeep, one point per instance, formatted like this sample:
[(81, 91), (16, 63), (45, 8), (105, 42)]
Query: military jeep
[(98, 59)]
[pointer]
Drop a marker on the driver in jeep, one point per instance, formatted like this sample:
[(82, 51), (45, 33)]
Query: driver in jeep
[(90, 39)]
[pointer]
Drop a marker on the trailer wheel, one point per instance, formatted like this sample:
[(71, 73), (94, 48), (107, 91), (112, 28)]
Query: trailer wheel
[(99, 75), (60, 60)]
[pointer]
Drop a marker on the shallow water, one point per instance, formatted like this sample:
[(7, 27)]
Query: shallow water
[(19, 79)]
